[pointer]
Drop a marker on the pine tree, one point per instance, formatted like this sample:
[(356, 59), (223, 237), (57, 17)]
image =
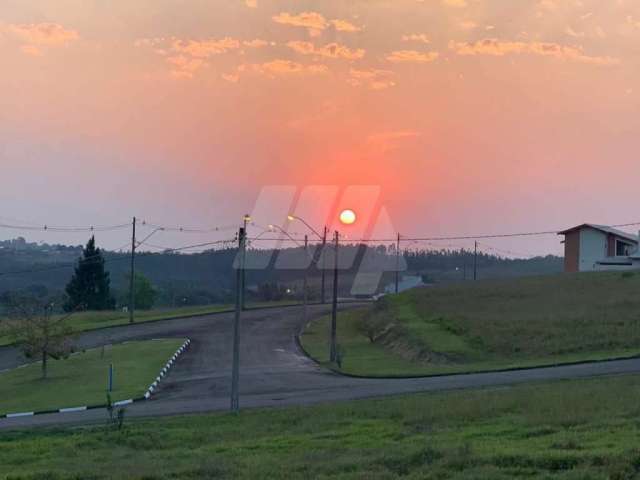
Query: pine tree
[(89, 288)]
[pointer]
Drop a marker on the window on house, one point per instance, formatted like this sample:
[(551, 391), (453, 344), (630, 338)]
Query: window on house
[(622, 249)]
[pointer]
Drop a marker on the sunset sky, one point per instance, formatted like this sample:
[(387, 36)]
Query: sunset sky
[(473, 116)]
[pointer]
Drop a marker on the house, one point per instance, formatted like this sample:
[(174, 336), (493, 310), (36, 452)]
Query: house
[(590, 247)]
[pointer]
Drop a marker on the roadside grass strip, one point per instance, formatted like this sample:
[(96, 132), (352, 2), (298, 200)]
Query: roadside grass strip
[(30, 386), (488, 325)]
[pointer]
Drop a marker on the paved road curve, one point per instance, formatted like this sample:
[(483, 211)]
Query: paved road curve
[(273, 370)]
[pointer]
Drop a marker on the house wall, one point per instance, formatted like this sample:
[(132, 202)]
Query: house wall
[(572, 252), (593, 247)]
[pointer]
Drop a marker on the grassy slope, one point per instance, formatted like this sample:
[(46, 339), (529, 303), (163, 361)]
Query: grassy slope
[(82, 378), (584, 429), (493, 324), (85, 321)]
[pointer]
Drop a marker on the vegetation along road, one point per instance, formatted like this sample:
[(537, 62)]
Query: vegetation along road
[(274, 370)]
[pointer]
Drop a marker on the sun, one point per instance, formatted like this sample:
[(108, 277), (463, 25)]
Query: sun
[(348, 217)]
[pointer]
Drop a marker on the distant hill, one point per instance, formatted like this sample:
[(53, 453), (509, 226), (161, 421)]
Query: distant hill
[(209, 276)]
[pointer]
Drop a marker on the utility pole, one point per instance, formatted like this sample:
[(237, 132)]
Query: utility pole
[(245, 220), (304, 282), (334, 309), (475, 262), (132, 294), (235, 372), (322, 284), (397, 263)]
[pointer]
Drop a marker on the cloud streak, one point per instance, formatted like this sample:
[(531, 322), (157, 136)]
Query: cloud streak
[(314, 22), (412, 56), (373, 78), (280, 67), (38, 36), (331, 50), (495, 47)]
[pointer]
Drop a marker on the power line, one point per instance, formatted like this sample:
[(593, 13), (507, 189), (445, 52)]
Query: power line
[(63, 229), (181, 229)]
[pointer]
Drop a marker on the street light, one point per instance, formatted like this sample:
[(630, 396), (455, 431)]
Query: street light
[(306, 268), (323, 238)]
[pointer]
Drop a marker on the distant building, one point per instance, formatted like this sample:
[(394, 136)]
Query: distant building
[(589, 247)]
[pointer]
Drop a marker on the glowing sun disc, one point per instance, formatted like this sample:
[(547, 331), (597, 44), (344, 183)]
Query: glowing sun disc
[(348, 217)]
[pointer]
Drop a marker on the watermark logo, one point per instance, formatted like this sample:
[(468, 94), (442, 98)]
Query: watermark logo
[(297, 228)]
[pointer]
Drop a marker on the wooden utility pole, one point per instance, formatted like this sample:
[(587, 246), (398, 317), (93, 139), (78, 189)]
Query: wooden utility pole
[(397, 263), (132, 294), (322, 281), (334, 309), (475, 262), (235, 371)]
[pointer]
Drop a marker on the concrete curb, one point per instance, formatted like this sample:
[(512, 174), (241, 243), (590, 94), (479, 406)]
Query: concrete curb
[(165, 369), (120, 403)]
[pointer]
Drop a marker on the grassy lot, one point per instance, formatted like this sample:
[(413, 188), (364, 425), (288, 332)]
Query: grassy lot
[(84, 321), (585, 429), (82, 378), (489, 325)]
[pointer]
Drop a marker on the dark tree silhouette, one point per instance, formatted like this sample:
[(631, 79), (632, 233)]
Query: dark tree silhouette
[(89, 288)]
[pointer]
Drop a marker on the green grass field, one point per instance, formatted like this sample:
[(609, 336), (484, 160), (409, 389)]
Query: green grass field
[(82, 378), (576, 430), (488, 325)]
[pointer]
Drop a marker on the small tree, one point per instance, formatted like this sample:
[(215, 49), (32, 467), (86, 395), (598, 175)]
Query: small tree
[(89, 288), (39, 333), (145, 293)]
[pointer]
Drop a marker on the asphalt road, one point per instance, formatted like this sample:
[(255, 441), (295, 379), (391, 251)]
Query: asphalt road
[(273, 370)]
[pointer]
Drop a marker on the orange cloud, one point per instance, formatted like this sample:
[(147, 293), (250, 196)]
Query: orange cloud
[(412, 56), (45, 34), (314, 22), (257, 43), (468, 25), (231, 77), (204, 48), (185, 67), (279, 67), (37, 36), (187, 56), (492, 46), (251, 3), (345, 26), (416, 37), (331, 50), (374, 79)]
